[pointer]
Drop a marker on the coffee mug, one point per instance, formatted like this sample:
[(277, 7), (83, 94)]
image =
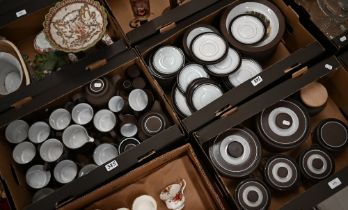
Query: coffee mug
[(59, 119), (87, 169), (76, 136), (24, 153), (128, 127), (173, 195), (51, 150), (65, 171), (144, 202), (104, 120), (37, 177), (140, 99), (11, 74), (82, 113), (104, 153), (17, 131), (39, 132)]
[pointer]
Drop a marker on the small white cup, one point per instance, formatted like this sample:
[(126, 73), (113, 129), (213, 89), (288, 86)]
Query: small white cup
[(24, 153), (11, 74), (82, 113), (75, 136), (37, 177), (116, 104), (65, 171), (39, 132), (138, 100), (103, 153), (144, 202), (51, 150), (17, 131), (87, 169), (104, 120), (60, 119)]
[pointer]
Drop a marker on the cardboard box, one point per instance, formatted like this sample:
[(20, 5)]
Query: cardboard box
[(297, 48), (13, 176), (151, 178), (22, 33), (335, 78)]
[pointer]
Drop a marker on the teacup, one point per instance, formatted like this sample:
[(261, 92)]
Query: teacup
[(65, 171), (11, 74), (60, 119), (173, 195), (82, 113), (144, 202), (24, 152), (39, 132), (76, 136), (17, 131), (104, 120), (104, 153), (37, 177)]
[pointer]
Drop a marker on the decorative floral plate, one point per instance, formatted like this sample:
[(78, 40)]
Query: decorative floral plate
[(75, 25)]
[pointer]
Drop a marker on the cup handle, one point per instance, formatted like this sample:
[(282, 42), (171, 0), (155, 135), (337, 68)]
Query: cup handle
[(183, 186)]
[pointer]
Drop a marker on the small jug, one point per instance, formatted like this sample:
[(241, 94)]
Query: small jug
[(173, 195)]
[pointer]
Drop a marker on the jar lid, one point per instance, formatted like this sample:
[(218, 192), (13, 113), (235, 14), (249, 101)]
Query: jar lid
[(168, 60), (281, 173), (252, 194), (202, 92), (332, 134), (209, 48), (188, 74), (284, 125), (247, 29), (236, 153), (228, 65), (248, 69), (128, 144), (314, 95), (97, 85), (153, 123), (180, 103), (316, 164)]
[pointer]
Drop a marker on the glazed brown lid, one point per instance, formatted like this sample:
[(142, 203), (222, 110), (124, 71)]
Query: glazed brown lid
[(236, 153), (252, 194), (281, 173), (284, 125), (314, 95), (316, 164), (97, 86), (152, 123), (127, 144), (332, 134), (264, 10)]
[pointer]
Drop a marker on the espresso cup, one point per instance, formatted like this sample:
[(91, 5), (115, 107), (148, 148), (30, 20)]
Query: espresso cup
[(39, 132), (11, 74), (128, 126), (17, 131), (51, 150), (76, 136), (104, 153), (139, 99), (82, 113), (59, 119), (87, 169), (104, 120), (116, 104), (24, 153), (37, 177), (65, 171)]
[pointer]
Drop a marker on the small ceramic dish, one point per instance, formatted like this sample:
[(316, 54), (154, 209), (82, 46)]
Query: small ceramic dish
[(252, 194)]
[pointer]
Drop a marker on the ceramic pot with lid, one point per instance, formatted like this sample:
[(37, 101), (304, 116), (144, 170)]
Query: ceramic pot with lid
[(314, 97), (99, 91), (331, 134), (316, 164), (236, 153), (283, 126), (281, 173), (253, 194)]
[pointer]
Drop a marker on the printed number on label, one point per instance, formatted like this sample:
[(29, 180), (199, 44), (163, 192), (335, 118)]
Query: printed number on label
[(21, 13), (257, 80), (112, 165), (334, 183)]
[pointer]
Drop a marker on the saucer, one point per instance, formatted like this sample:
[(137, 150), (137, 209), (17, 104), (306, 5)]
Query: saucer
[(189, 73), (168, 60), (228, 65), (180, 103), (247, 70)]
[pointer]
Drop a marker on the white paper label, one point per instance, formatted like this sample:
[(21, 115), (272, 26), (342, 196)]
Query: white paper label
[(343, 38), (21, 13), (334, 183), (328, 66), (257, 80), (112, 165)]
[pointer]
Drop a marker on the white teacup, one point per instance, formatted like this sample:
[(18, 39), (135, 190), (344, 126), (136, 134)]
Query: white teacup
[(82, 113), (24, 152), (17, 131), (103, 153), (144, 202), (116, 104), (87, 169), (37, 177), (104, 120), (39, 132), (60, 119), (11, 74), (173, 195), (138, 100), (51, 150), (75, 136), (65, 171)]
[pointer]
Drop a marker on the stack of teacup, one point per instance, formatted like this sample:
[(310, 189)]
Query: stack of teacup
[(111, 116), (213, 60)]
